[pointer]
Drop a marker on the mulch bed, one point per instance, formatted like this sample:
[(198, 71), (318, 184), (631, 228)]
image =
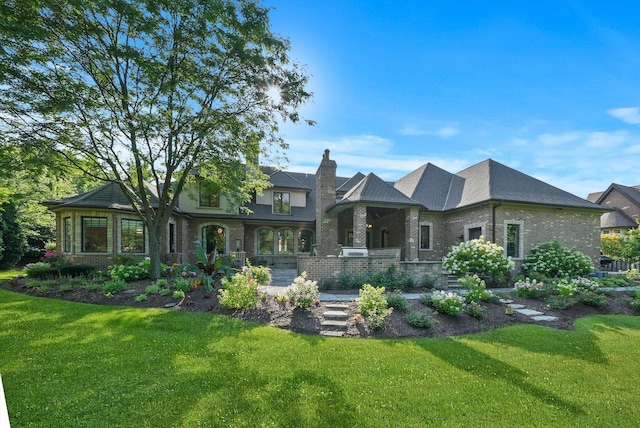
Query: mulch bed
[(307, 321)]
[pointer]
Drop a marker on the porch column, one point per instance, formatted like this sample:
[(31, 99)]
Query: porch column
[(360, 225), (412, 232)]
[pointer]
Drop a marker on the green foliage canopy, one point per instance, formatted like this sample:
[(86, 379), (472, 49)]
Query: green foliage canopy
[(144, 93)]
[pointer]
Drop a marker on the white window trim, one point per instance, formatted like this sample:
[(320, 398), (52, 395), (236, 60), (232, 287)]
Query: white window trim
[(520, 223), (430, 224)]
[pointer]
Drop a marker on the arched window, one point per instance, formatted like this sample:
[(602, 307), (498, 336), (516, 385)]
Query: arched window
[(213, 236), (285, 241), (265, 242)]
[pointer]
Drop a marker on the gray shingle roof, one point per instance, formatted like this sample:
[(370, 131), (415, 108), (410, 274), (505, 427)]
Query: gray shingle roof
[(108, 195), (616, 219), (372, 189), (632, 193)]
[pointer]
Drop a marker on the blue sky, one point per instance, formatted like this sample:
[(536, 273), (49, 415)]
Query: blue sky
[(551, 88)]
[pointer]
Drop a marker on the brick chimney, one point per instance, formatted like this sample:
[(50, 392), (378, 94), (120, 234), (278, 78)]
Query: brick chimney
[(326, 224)]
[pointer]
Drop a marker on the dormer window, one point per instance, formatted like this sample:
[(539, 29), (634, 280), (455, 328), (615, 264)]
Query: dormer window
[(281, 203), (208, 196)]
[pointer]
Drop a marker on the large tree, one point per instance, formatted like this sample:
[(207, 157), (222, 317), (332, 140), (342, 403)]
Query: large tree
[(145, 92)]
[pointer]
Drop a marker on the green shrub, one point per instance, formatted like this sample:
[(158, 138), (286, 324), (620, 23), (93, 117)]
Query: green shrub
[(426, 299), (478, 257), (613, 281), (420, 319), (152, 289), (114, 286), (182, 284), (476, 289), (164, 292), (303, 292), (130, 272), (141, 298), (448, 303), (591, 298), (373, 306), (553, 260), (397, 301), (39, 270), (178, 294), (557, 301), (261, 274), (77, 270), (475, 310), (238, 292), (162, 282)]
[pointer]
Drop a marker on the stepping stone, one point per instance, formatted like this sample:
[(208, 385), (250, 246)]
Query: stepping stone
[(332, 333), (529, 312), (544, 318), (337, 306), (335, 314), (333, 323), (516, 306), (505, 301)]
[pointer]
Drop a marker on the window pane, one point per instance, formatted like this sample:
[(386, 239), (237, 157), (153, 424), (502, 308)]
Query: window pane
[(475, 233), (281, 203), (132, 236), (208, 196), (285, 241), (66, 231), (305, 241), (94, 234), (513, 240), (265, 241), (424, 237)]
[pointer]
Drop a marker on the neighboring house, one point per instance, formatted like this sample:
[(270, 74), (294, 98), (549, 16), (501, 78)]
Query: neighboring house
[(417, 218), (624, 202)]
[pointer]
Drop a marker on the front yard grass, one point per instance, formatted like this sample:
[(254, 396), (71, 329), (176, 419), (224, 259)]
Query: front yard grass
[(68, 364)]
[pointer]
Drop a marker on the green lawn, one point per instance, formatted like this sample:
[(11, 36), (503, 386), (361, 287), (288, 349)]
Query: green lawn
[(66, 364)]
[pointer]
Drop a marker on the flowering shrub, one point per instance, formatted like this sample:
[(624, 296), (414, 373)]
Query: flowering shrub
[(303, 292), (586, 284), (261, 274), (554, 261), (477, 288), (373, 305), (528, 288), (130, 272), (478, 257), (565, 288), (448, 303), (239, 292)]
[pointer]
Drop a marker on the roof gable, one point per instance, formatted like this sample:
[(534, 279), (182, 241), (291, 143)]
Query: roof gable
[(109, 195), (631, 193), (373, 189)]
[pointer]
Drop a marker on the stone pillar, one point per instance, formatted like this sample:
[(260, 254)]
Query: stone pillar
[(412, 233), (360, 225), (326, 224)]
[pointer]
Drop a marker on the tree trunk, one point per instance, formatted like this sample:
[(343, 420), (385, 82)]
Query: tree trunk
[(155, 252)]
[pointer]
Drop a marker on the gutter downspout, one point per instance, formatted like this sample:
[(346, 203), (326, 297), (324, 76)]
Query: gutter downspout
[(493, 221)]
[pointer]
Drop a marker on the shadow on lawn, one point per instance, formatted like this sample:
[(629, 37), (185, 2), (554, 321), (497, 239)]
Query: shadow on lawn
[(468, 359)]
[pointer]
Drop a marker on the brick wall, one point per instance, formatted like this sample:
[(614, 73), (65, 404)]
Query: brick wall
[(616, 200), (321, 268)]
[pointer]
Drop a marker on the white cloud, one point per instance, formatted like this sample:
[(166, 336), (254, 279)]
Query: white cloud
[(444, 132), (626, 114), (559, 139), (606, 140)]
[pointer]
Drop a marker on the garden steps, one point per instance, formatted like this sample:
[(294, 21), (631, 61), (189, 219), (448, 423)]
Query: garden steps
[(335, 320)]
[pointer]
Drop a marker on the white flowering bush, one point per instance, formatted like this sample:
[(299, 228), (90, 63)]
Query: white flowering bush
[(565, 287), (373, 305), (476, 289), (528, 288), (448, 303), (303, 292), (586, 284), (552, 260), (478, 257)]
